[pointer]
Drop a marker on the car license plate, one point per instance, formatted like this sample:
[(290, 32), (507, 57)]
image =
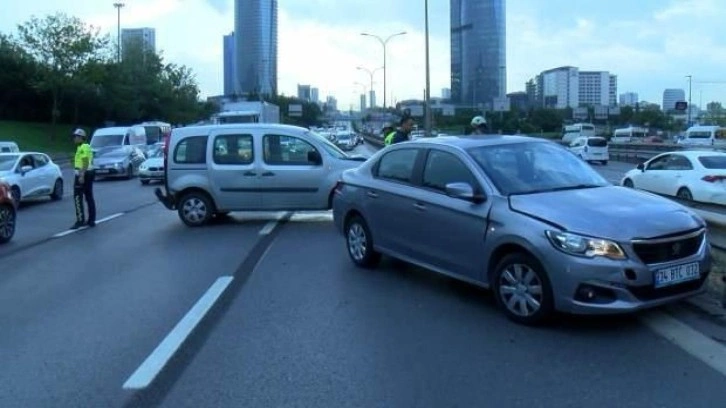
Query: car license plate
[(677, 274), (101, 171), (597, 154)]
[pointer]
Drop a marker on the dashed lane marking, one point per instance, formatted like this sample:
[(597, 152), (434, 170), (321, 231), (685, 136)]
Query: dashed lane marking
[(268, 227), (155, 362), (101, 221)]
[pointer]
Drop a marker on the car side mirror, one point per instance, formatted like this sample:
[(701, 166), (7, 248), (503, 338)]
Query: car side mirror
[(463, 191), (314, 157), (641, 166), (25, 169)]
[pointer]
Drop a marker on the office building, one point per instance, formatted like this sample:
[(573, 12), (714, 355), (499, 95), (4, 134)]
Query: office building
[(478, 52), (670, 97), (628, 99), (446, 93), (132, 38), (228, 51), (556, 88), (314, 95), (304, 92), (597, 88), (255, 24)]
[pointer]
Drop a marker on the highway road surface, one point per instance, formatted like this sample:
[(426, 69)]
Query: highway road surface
[(266, 310)]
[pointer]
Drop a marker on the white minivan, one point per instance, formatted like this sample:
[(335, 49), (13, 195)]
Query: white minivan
[(591, 149), (215, 169)]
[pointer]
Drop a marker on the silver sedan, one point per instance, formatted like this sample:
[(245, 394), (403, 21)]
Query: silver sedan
[(526, 218)]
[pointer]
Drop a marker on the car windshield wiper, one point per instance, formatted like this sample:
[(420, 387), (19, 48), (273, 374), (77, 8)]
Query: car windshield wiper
[(551, 190)]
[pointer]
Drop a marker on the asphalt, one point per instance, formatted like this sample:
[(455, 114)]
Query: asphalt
[(298, 325)]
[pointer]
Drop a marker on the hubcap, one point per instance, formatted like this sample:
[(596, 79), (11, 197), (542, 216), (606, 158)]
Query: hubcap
[(194, 210), (357, 241), (7, 223), (685, 195), (520, 290)]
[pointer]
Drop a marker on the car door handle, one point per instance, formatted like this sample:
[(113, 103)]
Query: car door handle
[(419, 206), (372, 194), (249, 174), (268, 174)]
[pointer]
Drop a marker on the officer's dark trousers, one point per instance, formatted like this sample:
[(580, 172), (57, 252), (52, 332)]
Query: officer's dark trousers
[(84, 190)]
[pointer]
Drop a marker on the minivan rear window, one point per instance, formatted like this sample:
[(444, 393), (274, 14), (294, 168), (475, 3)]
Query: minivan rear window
[(191, 150), (713, 162), (597, 142)]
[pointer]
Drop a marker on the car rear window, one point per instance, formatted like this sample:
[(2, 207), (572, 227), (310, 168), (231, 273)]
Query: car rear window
[(597, 142), (713, 162)]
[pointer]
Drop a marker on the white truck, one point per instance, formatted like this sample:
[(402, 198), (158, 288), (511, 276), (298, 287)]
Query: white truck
[(247, 112)]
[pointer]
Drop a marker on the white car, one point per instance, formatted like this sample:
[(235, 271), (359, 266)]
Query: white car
[(152, 169), (591, 149), (31, 174), (689, 175)]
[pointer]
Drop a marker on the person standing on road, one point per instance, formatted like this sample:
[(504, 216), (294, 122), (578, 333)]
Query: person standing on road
[(480, 126), (83, 181), (404, 130), (388, 132)]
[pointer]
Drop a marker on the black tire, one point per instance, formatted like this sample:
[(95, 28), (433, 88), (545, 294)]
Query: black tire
[(8, 218), (535, 287), (57, 193), (359, 243), (130, 172), (15, 192), (684, 194), (195, 209), (145, 182), (604, 162), (628, 183)]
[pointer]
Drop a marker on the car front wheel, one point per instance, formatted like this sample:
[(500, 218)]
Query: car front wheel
[(523, 290)]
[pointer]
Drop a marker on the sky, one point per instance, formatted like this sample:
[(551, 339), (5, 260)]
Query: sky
[(649, 44)]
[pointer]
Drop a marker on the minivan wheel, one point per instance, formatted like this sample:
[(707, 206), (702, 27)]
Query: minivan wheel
[(359, 243), (684, 194), (195, 209), (522, 289), (7, 223)]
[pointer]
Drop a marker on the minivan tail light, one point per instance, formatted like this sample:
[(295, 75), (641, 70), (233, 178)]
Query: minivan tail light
[(713, 179)]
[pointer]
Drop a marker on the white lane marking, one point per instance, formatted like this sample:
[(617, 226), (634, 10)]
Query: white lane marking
[(268, 227), (709, 351), (101, 221), (312, 217), (155, 362)]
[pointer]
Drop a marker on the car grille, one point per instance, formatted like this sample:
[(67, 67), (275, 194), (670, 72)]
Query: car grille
[(669, 249), (156, 169)]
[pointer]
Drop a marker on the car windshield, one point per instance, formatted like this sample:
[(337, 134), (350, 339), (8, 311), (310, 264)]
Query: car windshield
[(107, 140), (329, 147), (534, 167), (713, 162), (8, 161), (155, 152)]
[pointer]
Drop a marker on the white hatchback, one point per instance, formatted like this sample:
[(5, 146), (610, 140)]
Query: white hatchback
[(31, 174), (591, 149)]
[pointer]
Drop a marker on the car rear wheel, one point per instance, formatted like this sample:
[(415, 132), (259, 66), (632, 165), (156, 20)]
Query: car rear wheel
[(7, 223), (523, 290), (628, 183), (195, 209), (57, 193), (360, 244), (684, 194)]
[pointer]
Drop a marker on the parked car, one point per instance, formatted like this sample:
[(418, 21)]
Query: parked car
[(689, 175), (118, 161), (9, 147), (30, 175), (346, 140), (249, 167), (526, 218), (7, 213), (152, 169), (591, 149)]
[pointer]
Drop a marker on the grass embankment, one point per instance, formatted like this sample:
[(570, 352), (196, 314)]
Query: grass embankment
[(39, 137)]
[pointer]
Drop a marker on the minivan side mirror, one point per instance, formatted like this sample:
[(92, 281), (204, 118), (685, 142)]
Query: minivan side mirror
[(641, 166), (463, 191), (314, 157)]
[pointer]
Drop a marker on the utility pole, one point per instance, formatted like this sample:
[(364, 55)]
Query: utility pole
[(427, 101), (118, 29), (690, 80)]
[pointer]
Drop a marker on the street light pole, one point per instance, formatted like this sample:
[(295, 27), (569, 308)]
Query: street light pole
[(384, 42), (690, 80), (427, 113), (370, 74), (118, 29)]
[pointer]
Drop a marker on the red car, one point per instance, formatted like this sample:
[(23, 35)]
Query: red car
[(7, 213)]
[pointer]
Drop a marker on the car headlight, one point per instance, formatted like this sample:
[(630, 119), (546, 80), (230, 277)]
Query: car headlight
[(143, 167), (585, 246)]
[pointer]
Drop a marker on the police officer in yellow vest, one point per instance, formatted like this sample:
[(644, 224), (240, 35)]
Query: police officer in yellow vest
[(83, 182), (388, 131)]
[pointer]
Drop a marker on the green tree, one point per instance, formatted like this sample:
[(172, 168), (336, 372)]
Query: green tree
[(62, 46)]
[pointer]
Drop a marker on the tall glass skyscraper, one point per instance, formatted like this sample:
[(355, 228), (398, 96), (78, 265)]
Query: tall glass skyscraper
[(478, 51), (255, 28), (228, 51)]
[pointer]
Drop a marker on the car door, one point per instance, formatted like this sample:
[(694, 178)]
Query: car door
[(46, 173), (235, 171), (30, 182), (291, 179), (650, 179), (389, 201), (674, 174), (451, 231)]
